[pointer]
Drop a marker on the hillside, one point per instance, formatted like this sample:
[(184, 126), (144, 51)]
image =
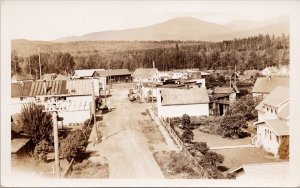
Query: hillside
[(189, 28)]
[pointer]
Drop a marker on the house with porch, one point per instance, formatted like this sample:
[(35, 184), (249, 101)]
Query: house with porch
[(174, 102), (273, 117)]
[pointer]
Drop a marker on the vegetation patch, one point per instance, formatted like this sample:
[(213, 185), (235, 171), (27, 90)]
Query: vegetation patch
[(89, 169)]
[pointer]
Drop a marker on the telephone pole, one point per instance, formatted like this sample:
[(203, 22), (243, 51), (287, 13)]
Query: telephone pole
[(53, 108), (40, 63), (94, 110)]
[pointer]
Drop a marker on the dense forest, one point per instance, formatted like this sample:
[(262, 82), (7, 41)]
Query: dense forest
[(255, 52)]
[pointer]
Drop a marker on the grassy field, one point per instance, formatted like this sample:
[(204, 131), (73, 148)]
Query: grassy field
[(217, 140)]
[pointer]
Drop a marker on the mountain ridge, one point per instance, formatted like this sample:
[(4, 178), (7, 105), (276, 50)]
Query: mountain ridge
[(187, 28)]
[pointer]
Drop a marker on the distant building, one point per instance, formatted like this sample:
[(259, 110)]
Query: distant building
[(272, 171), (144, 75), (245, 78), (84, 73), (176, 102), (114, 75), (264, 85), (222, 97), (273, 117), (49, 77), (253, 73), (276, 71), (19, 78)]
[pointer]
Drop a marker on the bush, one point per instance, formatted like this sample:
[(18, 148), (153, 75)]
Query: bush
[(212, 158), (201, 147), (232, 126), (73, 144), (187, 136), (283, 150), (186, 121), (36, 123), (245, 106), (42, 149)]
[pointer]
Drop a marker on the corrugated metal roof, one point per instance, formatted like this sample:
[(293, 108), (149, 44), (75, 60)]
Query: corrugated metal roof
[(79, 87), (266, 84), (144, 72), (223, 90), (280, 127), (52, 88), (277, 97), (184, 96), (111, 72)]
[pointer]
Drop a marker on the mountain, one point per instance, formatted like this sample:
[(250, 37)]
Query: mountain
[(187, 28)]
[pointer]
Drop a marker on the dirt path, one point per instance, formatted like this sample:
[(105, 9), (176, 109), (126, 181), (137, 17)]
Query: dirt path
[(124, 146)]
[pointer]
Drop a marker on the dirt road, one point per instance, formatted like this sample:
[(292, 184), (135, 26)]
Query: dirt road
[(124, 146)]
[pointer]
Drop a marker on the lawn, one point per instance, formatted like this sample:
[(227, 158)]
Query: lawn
[(239, 156), (217, 140)]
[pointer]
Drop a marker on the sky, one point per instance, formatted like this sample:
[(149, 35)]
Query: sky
[(50, 20)]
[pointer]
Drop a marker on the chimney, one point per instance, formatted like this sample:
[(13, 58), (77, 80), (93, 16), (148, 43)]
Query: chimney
[(44, 87)]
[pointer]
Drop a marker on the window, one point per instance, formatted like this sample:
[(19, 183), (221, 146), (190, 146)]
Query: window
[(277, 139), (270, 136), (265, 132)]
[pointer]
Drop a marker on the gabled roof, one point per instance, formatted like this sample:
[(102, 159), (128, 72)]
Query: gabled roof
[(61, 77), (267, 84), (144, 72), (23, 77), (280, 127), (184, 96), (277, 97), (48, 77), (85, 72), (284, 113), (223, 90), (55, 87), (111, 72)]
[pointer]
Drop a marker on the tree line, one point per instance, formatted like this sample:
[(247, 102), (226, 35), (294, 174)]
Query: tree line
[(255, 52)]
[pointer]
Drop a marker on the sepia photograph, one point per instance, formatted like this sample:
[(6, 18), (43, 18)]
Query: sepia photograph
[(149, 93)]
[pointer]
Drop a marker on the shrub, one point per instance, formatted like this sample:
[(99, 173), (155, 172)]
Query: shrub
[(212, 158), (283, 150), (186, 121), (201, 147), (232, 126), (245, 106), (42, 149), (36, 123), (73, 144), (187, 136)]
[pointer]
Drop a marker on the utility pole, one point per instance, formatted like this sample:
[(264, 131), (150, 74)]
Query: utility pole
[(234, 74), (53, 108), (94, 110), (40, 63), (29, 66), (152, 84), (229, 77)]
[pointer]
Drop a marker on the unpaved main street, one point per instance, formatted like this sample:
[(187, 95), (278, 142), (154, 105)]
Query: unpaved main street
[(124, 145)]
